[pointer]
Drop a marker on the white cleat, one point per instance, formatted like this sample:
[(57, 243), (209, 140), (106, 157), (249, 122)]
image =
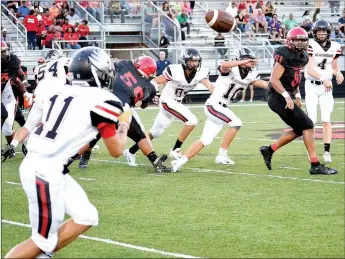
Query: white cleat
[(176, 165), (327, 157), (130, 158), (176, 154), (224, 160)]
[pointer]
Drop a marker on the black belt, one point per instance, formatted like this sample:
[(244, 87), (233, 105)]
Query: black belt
[(222, 104), (316, 82)]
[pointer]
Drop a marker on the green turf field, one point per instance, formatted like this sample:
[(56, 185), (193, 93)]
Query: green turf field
[(206, 210)]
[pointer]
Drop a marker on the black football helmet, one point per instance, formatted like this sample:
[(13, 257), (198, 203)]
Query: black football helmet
[(52, 54), (242, 54), (194, 55), (322, 25), (91, 66)]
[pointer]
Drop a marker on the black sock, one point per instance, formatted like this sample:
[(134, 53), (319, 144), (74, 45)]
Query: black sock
[(178, 144), (134, 149), (315, 164), (270, 150), (152, 156), (327, 146)]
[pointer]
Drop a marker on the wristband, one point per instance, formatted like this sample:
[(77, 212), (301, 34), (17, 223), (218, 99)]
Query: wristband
[(298, 95), (14, 143), (285, 94)]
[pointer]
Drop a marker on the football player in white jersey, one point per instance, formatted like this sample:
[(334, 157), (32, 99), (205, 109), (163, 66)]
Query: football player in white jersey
[(72, 116), (323, 54), (235, 77), (54, 68), (179, 79)]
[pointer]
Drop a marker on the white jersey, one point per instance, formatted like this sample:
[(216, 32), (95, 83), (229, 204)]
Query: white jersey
[(322, 59), (7, 95), (228, 87), (52, 71), (178, 86), (70, 116)]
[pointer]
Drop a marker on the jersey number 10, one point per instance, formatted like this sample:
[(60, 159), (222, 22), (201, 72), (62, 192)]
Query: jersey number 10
[(51, 134)]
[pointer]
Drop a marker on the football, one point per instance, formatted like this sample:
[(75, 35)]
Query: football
[(220, 21)]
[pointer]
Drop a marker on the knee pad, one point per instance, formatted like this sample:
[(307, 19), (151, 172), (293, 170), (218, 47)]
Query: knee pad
[(47, 245), (87, 216), (192, 121), (236, 122), (7, 131), (206, 139)]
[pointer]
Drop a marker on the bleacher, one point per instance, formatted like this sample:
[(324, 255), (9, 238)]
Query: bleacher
[(135, 31)]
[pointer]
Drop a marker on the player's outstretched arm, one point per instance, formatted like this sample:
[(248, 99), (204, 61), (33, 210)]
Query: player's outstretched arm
[(227, 65), (208, 84)]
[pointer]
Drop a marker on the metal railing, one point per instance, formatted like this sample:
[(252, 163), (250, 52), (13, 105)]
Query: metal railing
[(200, 4), (20, 28), (102, 28)]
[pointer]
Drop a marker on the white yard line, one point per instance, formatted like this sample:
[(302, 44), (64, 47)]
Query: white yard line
[(87, 179), (13, 183), (235, 173), (109, 241)]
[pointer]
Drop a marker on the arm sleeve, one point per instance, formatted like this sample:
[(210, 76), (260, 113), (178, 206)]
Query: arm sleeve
[(106, 112), (34, 117), (167, 73), (15, 66)]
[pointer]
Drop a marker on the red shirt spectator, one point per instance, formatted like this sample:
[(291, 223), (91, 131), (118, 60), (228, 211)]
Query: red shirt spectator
[(41, 28), (47, 21), (83, 30), (31, 23), (70, 35), (83, 4), (241, 6), (66, 25)]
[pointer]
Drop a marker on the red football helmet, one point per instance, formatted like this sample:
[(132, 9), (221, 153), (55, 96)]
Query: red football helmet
[(41, 61), (5, 53), (297, 39), (146, 65)]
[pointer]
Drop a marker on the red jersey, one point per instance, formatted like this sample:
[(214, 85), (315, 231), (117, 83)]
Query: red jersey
[(31, 23)]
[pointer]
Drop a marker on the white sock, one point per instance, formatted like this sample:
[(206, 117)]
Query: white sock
[(223, 152), (45, 255), (183, 160)]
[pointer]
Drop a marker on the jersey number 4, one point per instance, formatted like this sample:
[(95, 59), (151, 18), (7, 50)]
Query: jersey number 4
[(322, 65), (52, 69), (51, 134)]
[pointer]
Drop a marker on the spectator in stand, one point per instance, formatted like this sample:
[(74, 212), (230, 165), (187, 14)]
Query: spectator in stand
[(334, 5), (57, 38), (83, 29), (133, 6), (4, 36), (306, 25), (114, 7), (73, 17), (275, 24), (23, 11), (56, 26), (38, 7), (66, 25), (248, 26), (260, 21), (150, 15), (268, 11), (240, 20), (65, 8), (341, 23), (185, 7), (337, 35), (170, 27), (31, 24), (256, 7), (241, 5), (94, 9), (219, 41), (12, 5), (47, 21), (45, 5), (72, 39), (232, 9), (166, 8), (162, 63), (54, 11), (183, 20), (280, 36), (316, 15), (164, 43), (290, 23), (192, 4), (306, 15), (41, 30)]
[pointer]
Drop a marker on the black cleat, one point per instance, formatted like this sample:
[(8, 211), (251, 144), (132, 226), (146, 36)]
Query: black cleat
[(321, 169), (267, 156), (84, 160), (158, 165)]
